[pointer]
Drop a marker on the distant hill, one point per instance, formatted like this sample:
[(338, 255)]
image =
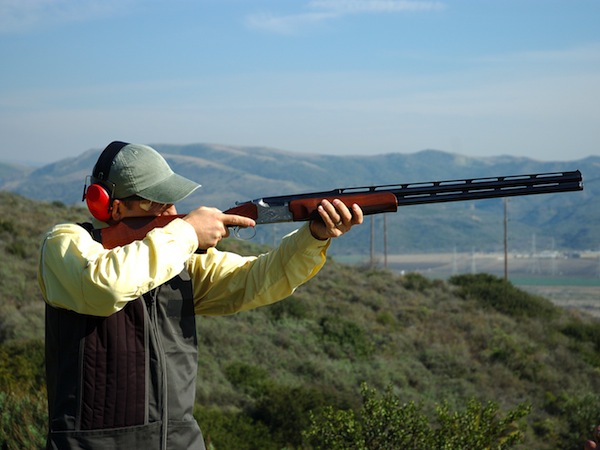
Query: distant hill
[(10, 172), (229, 174)]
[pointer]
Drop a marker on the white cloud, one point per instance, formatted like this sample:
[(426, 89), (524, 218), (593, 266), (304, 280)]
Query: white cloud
[(361, 6), (322, 10), (285, 24), (17, 16)]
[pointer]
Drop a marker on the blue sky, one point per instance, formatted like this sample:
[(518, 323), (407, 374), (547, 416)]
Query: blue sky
[(479, 78)]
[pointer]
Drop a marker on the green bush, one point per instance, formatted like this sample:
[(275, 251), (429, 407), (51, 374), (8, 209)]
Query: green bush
[(249, 379), (583, 332), (503, 296), (18, 248), (582, 414), (23, 407), (290, 308), (416, 282), (479, 426), (285, 411), (8, 226), (23, 420), (225, 430), (385, 423), (347, 339), (22, 365)]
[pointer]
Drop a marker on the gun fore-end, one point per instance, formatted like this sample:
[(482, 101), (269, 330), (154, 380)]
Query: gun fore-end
[(370, 203)]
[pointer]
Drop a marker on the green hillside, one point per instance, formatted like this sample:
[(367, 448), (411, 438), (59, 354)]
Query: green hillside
[(473, 340)]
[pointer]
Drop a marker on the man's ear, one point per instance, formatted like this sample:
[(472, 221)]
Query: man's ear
[(116, 212)]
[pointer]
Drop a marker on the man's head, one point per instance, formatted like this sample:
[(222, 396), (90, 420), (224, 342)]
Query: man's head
[(125, 171)]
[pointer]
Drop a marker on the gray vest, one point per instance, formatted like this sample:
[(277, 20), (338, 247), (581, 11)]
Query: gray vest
[(128, 380)]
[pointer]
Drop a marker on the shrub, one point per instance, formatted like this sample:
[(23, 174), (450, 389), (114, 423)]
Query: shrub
[(23, 419), (479, 426), (19, 248), (503, 296), (582, 414), (292, 307), (22, 365), (384, 423), (285, 412), (347, 338), (416, 282), (8, 226), (23, 407), (232, 430), (249, 379), (583, 332)]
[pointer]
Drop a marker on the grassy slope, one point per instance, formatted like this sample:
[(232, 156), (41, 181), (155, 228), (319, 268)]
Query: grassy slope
[(429, 340)]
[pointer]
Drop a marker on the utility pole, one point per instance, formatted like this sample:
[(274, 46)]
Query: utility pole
[(385, 258), (505, 239), (372, 241)]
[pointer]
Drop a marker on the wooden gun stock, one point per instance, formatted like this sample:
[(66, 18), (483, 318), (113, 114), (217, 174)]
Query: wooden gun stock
[(132, 229)]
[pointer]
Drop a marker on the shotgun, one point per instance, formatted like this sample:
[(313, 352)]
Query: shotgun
[(372, 200)]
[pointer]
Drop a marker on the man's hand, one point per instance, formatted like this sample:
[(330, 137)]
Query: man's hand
[(211, 225), (336, 219)]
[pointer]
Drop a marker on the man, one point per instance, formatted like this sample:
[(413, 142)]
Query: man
[(121, 347)]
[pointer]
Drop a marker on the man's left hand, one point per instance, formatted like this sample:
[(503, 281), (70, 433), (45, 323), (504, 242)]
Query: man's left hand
[(336, 219)]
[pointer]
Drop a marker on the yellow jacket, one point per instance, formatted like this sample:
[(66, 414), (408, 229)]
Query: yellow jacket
[(77, 273)]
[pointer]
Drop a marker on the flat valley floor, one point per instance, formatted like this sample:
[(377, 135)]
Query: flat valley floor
[(571, 282)]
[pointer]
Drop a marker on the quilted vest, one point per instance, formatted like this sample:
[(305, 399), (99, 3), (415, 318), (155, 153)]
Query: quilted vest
[(127, 380)]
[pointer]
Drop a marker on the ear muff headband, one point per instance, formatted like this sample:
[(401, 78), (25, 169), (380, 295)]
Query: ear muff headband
[(99, 195)]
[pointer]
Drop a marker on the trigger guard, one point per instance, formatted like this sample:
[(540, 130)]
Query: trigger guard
[(237, 232)]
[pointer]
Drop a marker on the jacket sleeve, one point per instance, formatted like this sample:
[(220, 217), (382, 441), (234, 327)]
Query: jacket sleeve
[(225, 283), (75, 272)]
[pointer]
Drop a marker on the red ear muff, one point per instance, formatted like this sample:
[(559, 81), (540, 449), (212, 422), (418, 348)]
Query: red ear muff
[(97, 196), (98, 202)]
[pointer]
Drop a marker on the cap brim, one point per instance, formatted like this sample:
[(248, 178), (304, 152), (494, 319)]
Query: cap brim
[(172, 189)]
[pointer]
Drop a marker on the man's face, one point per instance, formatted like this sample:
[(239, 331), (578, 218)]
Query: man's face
[(123, 209)]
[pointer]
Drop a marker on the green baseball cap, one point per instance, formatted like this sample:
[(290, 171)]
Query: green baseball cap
[(140, 170)]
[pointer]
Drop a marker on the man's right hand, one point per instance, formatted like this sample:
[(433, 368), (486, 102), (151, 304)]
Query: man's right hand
[(211, 225)]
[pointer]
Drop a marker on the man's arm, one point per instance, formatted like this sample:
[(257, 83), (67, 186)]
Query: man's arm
[(78, 273), (228, 284)]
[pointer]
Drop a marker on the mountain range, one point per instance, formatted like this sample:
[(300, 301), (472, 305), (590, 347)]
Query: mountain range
[(229, 174)]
